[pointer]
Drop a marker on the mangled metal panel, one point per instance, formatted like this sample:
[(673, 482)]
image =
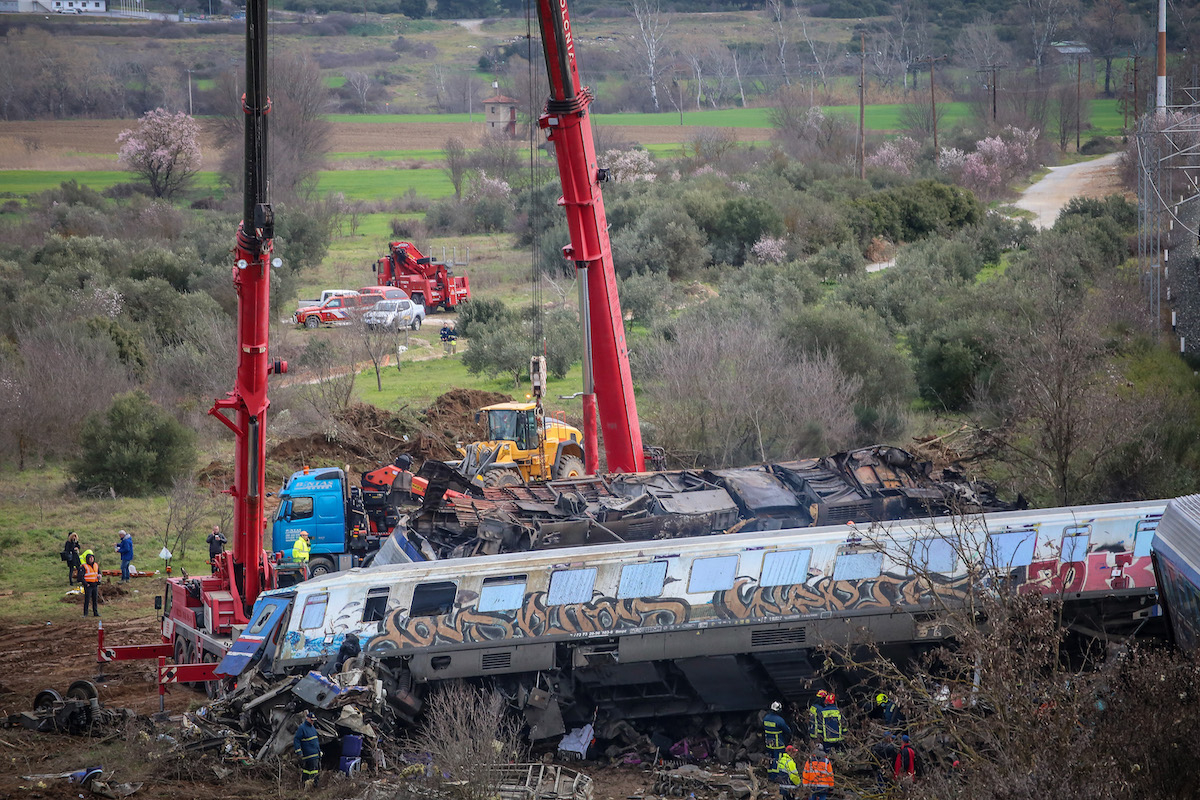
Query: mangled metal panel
[(759, 492)]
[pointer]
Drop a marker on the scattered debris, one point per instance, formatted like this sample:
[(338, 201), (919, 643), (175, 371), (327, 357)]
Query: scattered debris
[(78, 712)]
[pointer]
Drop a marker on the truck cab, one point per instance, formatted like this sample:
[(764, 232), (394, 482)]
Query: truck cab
[(322, 503)]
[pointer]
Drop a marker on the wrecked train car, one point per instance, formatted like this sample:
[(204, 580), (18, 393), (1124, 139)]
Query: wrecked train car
[(871, 484), (698, 624)]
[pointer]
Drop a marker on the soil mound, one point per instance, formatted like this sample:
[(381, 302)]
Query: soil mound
[(365, 436)]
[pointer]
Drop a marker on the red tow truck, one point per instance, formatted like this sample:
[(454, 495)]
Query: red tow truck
[(428, 282)]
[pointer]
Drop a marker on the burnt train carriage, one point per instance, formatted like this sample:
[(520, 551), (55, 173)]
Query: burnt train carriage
[(702, 624)]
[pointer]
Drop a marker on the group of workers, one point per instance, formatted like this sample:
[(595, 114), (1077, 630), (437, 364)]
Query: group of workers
[(449, 338), (84, 568), (826, 733)]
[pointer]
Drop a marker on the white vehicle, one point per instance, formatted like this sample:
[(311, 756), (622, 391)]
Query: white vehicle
[(325, 295), (395, 315)]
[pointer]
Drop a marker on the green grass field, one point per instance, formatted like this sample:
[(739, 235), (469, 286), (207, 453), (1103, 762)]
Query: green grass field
[(382, 184), (34, 520), (418, 383), (22, 182)]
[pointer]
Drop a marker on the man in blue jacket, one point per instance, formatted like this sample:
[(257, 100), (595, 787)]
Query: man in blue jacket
[(125, 548), (308, 747)]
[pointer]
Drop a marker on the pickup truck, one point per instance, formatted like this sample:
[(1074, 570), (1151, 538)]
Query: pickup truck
[(336, 310), (395, 315), (325, 295)]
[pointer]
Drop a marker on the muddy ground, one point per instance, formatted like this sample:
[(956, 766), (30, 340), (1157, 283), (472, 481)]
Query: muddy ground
[(53, 655)]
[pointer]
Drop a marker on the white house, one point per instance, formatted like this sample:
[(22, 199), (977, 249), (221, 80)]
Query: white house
[(53, 6)]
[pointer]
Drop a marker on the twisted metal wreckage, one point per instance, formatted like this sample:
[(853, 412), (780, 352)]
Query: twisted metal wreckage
[(871, 484)]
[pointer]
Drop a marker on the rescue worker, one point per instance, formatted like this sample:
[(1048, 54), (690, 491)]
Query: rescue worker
[(91, 584), (885, 710), (776, 736), (786, 773), (308, 747), (402, 483), (216, 545), (818, 775), (829, 723), (908, 763), (453, 338), (814, 715), (884, 753), (445, 336), (300, 548)]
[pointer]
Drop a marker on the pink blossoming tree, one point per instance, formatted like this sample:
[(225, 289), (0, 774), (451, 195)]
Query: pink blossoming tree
[(164, 149)]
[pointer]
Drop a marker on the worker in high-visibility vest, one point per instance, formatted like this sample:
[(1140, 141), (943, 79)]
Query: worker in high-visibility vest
[(817, 776), (301, 548), (786, 772), (91, 585)]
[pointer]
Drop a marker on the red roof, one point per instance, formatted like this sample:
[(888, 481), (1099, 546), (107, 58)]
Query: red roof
[(500, 100)]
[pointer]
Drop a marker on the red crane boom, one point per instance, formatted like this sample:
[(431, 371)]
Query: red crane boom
[(607, 380)]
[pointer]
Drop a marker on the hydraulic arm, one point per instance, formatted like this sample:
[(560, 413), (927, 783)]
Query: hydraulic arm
[(607, 380)]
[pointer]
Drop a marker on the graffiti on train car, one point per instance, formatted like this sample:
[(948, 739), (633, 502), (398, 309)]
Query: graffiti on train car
[(749, 600), (606, 615), (1100, 572), (534, 618)]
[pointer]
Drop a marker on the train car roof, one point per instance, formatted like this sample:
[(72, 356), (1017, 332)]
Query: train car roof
[(720, 544), (1178, 535)]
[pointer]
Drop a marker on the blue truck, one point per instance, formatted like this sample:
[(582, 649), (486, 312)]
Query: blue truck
[(346, 524)]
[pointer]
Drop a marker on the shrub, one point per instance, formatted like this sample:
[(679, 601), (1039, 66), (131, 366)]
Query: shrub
[(134, 447)]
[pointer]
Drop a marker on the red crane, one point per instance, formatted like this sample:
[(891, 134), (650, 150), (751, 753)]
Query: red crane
[(201, 611), (606, 381)]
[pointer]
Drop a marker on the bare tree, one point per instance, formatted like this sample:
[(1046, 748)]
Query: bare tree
[(360, 84), (651, 45), (731, 398), (1071, 112), (327, 371), (824, 54), (1060, 407), (457, 163), (1045, 19), (300, 133), (499, 156), (979, 46), (916, 115), (377, 342), (471, 735), (189, 507), (1110, 30), (778, 11)]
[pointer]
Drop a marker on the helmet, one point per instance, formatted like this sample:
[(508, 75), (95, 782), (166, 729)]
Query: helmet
[(881, 699), (830, 698), (791, 748), (776, 706), (822, 694), (404, 461)]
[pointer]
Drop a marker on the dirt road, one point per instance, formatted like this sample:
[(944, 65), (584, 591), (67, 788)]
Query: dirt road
[(1096, 178)]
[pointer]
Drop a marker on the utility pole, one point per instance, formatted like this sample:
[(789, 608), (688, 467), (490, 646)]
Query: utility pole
[(932, 97), (1160, 88), (862, 109), (1078, 100), (992, 68), (190, 112), (1136, 107)]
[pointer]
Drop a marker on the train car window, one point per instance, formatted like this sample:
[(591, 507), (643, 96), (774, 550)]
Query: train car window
[(785, 567), (1143, 537), (502, 594), (571, 586), (376, 606), (302, 507), (314, 611), (1011, 549), (256, 627), (642, 580), (935, 555), (713, 574), (1075, 545), (857, 566), (433, 599)]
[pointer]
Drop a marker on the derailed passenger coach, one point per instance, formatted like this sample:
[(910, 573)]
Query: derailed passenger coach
[(697, 625)]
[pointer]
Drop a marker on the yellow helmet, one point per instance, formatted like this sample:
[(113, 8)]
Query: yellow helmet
[(881, 699)]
